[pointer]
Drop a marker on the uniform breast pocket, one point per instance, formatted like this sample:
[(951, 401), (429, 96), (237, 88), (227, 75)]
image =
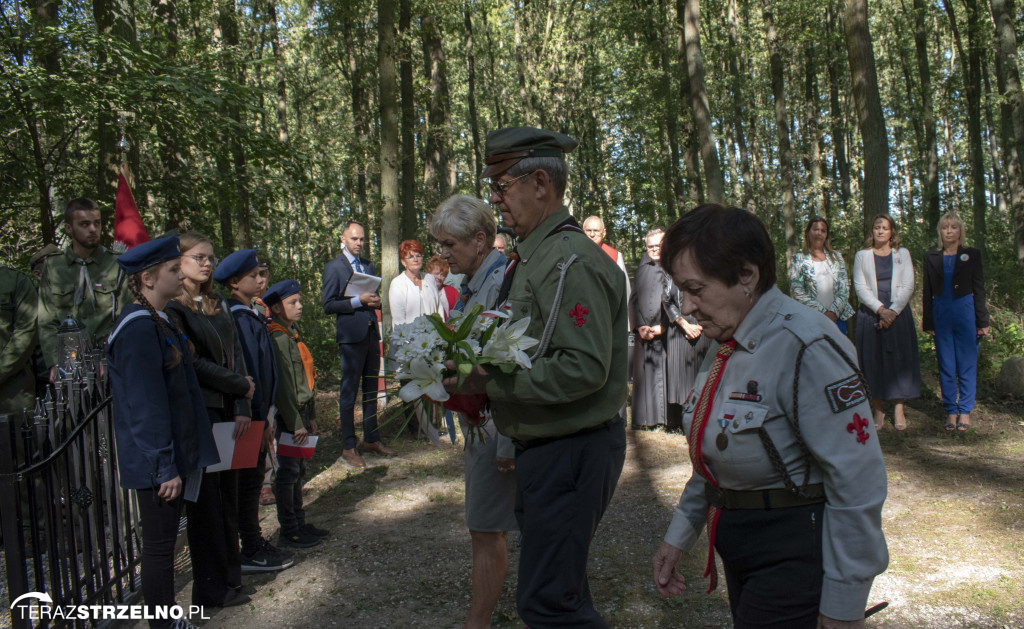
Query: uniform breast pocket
[(739, 423), (7, 307)]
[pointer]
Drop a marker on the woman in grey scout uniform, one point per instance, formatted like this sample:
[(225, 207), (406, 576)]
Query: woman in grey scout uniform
[(465, 229), (788, 477)]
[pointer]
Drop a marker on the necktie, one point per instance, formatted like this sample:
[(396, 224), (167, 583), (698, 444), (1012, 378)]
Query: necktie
[(357, 266), (696, 440)]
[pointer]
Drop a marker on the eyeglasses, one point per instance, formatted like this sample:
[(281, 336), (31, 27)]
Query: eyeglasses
[(414, 256), (501, 188), (201, 260), (654, 247)]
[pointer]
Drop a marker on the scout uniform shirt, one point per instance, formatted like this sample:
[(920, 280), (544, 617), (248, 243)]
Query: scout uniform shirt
[(91, 295), (757, 390), (17, 340), (580, 381), (293, 390)]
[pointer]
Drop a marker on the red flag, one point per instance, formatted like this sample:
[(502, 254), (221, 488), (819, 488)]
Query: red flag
[(128, 227)]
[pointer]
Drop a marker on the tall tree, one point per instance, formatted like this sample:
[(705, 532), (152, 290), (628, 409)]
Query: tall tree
[(699, 101), (438, 167), (474, 123), (930, 180), (389, 149), (840, 159), (407, 91), (1012, 112), (868, 105), (776, 71)]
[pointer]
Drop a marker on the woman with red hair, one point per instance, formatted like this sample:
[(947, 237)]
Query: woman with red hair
[(409, 296)]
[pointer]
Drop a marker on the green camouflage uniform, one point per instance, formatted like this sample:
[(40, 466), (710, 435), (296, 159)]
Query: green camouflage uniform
[(17, 340), (94, 298)]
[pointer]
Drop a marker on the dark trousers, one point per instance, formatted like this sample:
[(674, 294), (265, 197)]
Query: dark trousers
[(563, 489), (159, 533), (359, 360), (250, 484), (213, 538), (291, 472), (772, 562)]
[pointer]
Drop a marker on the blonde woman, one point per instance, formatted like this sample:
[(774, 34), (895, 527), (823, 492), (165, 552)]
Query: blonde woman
[(883, 277), (956, 315)]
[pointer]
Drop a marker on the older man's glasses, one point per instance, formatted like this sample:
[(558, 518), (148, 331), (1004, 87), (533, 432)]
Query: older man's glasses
[(501, 188)]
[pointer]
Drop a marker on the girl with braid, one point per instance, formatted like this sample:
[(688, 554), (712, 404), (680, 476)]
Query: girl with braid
[(163, 435)]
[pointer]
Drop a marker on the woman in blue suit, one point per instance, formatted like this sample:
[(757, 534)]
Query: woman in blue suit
[(956, 315), (163, 435)]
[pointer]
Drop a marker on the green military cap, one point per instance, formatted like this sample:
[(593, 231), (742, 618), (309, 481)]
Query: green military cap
[(507, 146), (48, 250)]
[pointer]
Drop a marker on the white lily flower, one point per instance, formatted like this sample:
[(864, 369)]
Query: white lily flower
[(508, 344), (425, 379)]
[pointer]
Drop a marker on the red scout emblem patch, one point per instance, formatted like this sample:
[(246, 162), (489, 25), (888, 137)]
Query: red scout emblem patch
[(579, 314), (859, 424)]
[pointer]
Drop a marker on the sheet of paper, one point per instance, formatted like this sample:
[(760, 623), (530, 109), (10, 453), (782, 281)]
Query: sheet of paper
[(286, 446), (361, 283), (240, 454)]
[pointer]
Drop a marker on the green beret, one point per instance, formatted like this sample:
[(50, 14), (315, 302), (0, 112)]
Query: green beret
[(507, 146)]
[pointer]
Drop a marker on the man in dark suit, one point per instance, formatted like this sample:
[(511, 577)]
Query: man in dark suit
[(358, 344)]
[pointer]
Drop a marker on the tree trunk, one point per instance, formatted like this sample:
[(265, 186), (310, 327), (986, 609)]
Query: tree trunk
[(173, 182), (840, 159), (813, 134), (226, 19), (736, 80), (408, 196), (474, 124), (776, 71), (930, 182), (691, 146), (388, 148), (975, 150), (1012, 113), (868, 105), (279, 78), (699, 101), (437, 171), (517, 35)]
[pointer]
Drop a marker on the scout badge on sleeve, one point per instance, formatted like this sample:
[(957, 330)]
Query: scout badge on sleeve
[(859, 424), (845, 394)]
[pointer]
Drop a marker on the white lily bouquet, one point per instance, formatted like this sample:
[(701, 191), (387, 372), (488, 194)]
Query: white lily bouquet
[(420, 349)]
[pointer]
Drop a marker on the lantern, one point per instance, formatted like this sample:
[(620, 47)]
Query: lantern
[(73, 342)]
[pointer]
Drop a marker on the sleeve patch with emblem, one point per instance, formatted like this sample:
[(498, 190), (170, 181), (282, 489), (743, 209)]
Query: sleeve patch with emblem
[(579, 314), (845, 394)]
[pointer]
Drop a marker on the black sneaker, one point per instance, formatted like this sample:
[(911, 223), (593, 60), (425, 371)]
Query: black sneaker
[(297, 539), (314, 530), (267, 547), (262, 561)]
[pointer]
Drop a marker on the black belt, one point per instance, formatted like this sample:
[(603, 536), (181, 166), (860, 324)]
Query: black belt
[(764, 498), (526, 444)]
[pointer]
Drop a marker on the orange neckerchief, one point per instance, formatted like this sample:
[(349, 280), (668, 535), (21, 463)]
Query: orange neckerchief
[(307, 358)]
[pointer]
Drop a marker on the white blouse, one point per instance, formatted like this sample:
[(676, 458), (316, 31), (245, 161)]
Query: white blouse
[(408, 302)]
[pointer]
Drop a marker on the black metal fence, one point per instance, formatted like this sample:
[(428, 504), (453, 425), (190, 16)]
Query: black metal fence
[(69, 530)]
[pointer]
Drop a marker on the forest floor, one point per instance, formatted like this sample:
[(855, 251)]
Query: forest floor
[(399, 553)]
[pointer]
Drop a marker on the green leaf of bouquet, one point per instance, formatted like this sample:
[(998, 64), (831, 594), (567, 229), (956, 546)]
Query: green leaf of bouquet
[(442, 328), (489, 332), (467, 322)]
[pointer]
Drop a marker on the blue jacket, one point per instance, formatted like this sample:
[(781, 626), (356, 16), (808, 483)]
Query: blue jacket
[(160, 421), (353, 323), (258, 351)]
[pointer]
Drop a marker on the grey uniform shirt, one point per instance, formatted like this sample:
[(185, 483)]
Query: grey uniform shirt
[(835, 420)]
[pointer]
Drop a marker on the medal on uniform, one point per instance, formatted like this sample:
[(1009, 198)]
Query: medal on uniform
[(722, 440)]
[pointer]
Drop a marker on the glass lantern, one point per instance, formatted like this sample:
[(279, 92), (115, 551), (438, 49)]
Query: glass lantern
[(73, 341)]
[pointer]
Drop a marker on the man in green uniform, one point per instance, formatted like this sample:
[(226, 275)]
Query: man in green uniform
[(17, 340), (563, 413), (82, 282)]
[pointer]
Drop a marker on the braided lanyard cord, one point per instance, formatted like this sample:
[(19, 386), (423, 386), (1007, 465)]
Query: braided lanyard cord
[(549, 325)]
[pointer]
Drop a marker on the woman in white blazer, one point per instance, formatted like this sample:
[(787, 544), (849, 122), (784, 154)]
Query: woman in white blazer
[(409, 296), (883, 278)]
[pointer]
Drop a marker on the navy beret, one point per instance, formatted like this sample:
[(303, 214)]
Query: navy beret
[(277, 292), (236, 264), (147, 254)]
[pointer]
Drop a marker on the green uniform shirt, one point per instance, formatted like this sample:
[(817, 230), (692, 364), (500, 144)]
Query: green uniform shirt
[(97, 308), (17, 340), (293, 391), (580, 381)]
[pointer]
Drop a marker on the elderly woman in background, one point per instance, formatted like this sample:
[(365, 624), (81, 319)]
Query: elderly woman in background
[(956, 315), (649, 322), (448, 296), (788, 475), (412, 293), (817, 275), (465, 228), (883, 276), (686, 345)]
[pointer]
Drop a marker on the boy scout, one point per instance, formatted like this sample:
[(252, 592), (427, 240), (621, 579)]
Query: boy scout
[(82, 282), (17, 340), (563, 413)]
